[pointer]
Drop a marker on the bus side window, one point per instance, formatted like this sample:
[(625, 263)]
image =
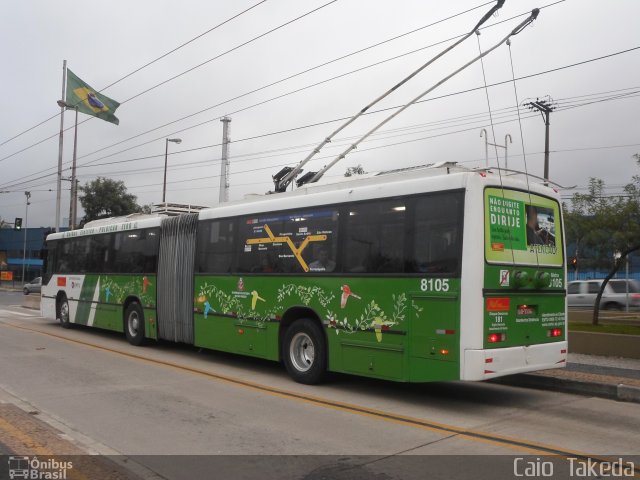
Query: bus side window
[(436, 234), (375, 237), (215, 248)]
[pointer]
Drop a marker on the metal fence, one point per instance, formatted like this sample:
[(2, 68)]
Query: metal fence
[(597, 274)]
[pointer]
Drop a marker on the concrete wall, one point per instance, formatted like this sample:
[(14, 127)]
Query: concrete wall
[(605, 344)]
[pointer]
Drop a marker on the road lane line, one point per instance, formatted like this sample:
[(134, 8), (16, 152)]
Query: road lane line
[(530, 447)]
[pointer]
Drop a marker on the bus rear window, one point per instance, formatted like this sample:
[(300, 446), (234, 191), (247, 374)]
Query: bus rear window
[(522, 228)]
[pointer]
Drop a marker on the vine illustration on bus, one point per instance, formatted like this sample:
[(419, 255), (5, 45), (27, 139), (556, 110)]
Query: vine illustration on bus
[(372, 317)]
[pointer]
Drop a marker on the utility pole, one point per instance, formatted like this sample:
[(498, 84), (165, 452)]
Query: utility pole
[(545, 107), (73, 203), (60, 142), (224, 168), (26, 225)]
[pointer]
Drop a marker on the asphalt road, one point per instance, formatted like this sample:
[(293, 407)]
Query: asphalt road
[(163, 399), (11, 298)]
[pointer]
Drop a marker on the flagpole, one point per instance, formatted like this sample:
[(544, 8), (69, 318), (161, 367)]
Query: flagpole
[(64, 77)]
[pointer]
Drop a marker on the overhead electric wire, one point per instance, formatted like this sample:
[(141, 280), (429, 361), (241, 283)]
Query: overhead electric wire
[(263, 87), (378, 137), (188, 71), (373, 111), (14, 185), (148, 64), (195, 179), (279, 81), (442, 96)]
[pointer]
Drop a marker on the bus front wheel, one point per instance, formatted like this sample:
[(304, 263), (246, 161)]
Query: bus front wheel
[(305, 352), (63, 312), (134, 324)]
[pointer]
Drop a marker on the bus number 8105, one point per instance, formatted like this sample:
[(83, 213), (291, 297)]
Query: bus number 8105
[(434, 284)]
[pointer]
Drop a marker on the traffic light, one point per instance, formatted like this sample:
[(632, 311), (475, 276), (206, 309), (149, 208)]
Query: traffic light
[(17, 225), (574, 262)]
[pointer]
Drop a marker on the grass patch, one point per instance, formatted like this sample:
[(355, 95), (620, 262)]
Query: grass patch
[(607, 328)]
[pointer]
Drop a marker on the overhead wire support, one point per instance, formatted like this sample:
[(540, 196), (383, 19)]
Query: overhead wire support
[(281, 182), (545, 107), (515, 31)]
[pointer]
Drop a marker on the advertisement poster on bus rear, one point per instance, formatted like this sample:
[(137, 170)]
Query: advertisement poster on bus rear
[(522, 228)]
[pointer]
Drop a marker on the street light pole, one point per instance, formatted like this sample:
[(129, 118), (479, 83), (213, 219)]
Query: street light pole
[(26, 223), (73, 203), (166, 153)]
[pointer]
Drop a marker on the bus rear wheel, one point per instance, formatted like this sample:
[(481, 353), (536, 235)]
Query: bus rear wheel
[(134, 324), (62, 313), (305, 352)]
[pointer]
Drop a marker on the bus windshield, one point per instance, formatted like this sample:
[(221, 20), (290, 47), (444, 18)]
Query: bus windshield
[(522, 228)]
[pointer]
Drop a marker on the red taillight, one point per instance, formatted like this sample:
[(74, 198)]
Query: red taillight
[(635, 296), (497, 337), (554, 332)]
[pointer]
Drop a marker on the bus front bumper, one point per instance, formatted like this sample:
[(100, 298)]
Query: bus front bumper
[(497, 362)]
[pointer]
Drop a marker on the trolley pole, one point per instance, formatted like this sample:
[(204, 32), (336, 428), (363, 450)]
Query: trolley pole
[(545, 107)]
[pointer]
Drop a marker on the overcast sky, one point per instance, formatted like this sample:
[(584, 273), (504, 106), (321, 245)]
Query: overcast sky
[(591, 134)]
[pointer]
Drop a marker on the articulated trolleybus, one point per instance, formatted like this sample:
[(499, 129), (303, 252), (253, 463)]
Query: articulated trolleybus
[(428, 274)]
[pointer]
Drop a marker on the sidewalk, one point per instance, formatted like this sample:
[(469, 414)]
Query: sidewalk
[(606, 377)]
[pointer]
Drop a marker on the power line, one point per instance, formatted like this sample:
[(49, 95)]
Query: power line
[(263, 87), (275, 133), (376, 111), (147, 64), (274, 83), (188, 71), (193, 179)]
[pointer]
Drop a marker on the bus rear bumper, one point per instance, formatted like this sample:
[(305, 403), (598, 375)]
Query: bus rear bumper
[(497, 362)]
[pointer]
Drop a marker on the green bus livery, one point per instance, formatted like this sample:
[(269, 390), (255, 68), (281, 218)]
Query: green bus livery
[(438, 273)]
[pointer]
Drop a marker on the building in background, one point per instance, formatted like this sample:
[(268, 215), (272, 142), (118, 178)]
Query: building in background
[(13, 254)]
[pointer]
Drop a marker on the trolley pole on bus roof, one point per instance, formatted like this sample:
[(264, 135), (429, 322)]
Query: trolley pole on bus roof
[(224, 167)]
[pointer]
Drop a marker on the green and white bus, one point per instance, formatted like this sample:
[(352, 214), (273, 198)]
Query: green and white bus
[(428, 274)]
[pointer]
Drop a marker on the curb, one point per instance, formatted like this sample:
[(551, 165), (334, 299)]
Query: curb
[(618, 392)]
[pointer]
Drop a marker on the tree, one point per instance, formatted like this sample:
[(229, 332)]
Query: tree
[(103, 197), (608, 225), (357, 170)]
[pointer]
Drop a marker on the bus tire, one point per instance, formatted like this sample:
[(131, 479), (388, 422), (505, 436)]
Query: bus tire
[(62, 311), (305, 352), (134, 324)]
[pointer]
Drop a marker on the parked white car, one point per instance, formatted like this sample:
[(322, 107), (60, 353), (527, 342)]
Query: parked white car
[(583, 294)]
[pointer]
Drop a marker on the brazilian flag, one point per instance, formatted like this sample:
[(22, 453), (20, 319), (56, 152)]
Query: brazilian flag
[(88, 101)]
